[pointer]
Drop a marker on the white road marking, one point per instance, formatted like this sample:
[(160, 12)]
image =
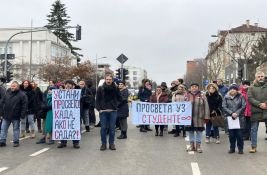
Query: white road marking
[(195, 168), (39, 152), (22, 138), (189, 152), (83, 131), (3, 169)]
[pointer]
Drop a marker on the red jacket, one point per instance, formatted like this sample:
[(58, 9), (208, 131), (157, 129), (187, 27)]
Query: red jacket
[(243, 91)]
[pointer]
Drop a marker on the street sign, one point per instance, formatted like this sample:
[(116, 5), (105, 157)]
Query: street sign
[(8, 64), (9, 56), (122, 58)]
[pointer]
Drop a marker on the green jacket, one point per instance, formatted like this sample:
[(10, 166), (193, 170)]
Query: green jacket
[(257, 94)]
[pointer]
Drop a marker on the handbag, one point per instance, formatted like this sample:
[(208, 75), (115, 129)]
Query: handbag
[(217, 120)]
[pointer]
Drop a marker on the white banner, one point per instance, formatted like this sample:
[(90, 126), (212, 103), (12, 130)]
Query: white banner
[(66, 114), (178, 113)]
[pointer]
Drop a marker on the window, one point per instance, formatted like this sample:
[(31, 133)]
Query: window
[(134, 72), (135, 78)]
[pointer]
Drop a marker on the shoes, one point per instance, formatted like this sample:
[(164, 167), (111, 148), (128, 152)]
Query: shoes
[(61, 145), (191, 147), (157, 133), (240, 152), (142, 129), (176, 135), (173, 131), (87, 128), (231, 151), (16, 144), (184, 134), (217, 141), (51, 142), (161, 133), (76, 146), (123, 135), (40, 130), (2, 144), (198, 148), (32, 134), (253, 150), (103, 147), (41, 141), (22, 134), (207, 140), (138, 126), (148, 129), (98, 125), (112, 147)]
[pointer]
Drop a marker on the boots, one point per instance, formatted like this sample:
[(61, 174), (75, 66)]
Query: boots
[(198, 149), (87, 128), (142, 129), (123, 135), (161, 133), (191, 147), (22, 134), (32, 134), (157, 133), (253, 150), (184, 133)]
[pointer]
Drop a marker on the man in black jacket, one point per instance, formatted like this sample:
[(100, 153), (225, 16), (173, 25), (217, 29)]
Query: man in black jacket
[(108, 98), (14, 108), (2, 95)]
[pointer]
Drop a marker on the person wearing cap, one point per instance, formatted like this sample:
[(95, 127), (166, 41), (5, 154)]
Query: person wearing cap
[(200, 113), (69, 84), (244, 91), (215, 106), (234, 105), (222, 88), (123, 110), (257, 97), (179, 96)]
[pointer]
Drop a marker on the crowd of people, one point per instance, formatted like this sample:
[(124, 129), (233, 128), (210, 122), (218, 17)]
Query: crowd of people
[(25, 104)]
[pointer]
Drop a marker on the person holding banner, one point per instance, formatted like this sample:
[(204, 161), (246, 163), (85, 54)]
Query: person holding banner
[(69, 84), (108, 98), (179, 96), (159, 97), (144, 94), (200, 113), (234, 105)]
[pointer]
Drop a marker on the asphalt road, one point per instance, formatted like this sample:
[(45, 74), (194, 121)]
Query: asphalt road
[(140, 154)]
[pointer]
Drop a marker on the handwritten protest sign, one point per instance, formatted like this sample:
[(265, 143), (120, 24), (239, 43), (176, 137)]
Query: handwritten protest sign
[(179, 113), (66, 114)]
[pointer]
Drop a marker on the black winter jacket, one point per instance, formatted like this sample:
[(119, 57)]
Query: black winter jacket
[(144, 94), (108, 97), (123, 111), (14, 105), (31, 100), (87, 98)]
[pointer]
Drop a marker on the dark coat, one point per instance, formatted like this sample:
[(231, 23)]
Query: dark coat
[(108, 97), (235, 105), (14, 105), (87, 98), (123, 110), (215, 103), (31, 100), (144, 94), (162, 99), (38, 99)]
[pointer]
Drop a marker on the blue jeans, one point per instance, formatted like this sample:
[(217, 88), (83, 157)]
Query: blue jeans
[(236, 136), (254, 133), (108, 121), (215, 130), (195, 137), (4, 130)]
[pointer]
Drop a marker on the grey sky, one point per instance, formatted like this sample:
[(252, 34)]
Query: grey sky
[(158, 35)]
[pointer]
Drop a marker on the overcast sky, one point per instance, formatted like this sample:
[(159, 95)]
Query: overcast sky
[(157, 35)]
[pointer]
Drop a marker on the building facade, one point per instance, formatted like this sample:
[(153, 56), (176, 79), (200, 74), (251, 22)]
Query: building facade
[(135, 76)]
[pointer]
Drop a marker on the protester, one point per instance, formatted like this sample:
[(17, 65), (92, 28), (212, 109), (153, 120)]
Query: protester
[(144, 93), (123, 110), (179, 96), (26, 87), (159, 97), (107, 99), (86, 100), (200, 112), (234, 105), (222, 88), (92, 117), (257, 97), (2, 95), (39, 101), (69, 84), (14, 108), (243, 90), (215, 106)]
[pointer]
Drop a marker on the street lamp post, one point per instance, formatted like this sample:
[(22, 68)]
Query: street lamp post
[(96, 72)]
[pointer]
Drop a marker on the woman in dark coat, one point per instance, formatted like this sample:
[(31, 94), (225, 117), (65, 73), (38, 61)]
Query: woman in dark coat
[(39, 101), (123, 110), (234, 105), (26, 87), (215, 106)]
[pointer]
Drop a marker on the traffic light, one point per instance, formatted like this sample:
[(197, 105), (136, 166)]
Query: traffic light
[(9, 76), (125, 74), (118, 73), (240, 73), (78, 32)]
